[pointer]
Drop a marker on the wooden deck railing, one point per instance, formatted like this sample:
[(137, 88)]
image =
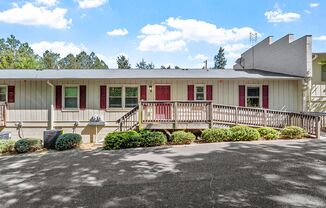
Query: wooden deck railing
[(3, 114), (183, 112)]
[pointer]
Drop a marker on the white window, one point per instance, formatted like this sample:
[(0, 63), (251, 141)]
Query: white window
[(123, 96), (199, 93), (323, 73), (253, 96), (71, 97), (115, 97), (3, 94), (131, 98)]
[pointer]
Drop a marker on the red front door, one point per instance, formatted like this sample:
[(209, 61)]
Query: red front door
[(163, 110)]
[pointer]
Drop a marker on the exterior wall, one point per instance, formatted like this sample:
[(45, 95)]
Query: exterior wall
[(318, 87), (285, 55), (33, 99)]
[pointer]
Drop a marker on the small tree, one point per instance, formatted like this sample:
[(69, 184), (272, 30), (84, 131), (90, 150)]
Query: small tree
[(144, 65), (123, 62), (219, 59)]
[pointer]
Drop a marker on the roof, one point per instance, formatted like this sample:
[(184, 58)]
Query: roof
[(52, 74)]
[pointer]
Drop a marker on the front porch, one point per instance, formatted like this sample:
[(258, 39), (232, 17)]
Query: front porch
[(198, 115)]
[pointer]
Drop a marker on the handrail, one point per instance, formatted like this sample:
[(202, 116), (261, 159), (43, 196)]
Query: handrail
[(184, 112)]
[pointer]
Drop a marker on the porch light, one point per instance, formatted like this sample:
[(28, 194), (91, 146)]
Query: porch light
[(150, 88)]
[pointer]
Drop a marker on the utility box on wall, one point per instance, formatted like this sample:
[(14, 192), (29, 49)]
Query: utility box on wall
[(50, 137)]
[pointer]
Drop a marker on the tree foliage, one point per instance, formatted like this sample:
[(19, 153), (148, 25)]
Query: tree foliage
[(123, 62), (144, 65), (219, 59), (17, 55)]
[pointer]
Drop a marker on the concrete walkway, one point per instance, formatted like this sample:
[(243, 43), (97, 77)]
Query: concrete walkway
[(243, 174)]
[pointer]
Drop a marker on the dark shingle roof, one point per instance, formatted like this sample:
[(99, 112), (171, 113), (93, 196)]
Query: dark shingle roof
[(30, 74)]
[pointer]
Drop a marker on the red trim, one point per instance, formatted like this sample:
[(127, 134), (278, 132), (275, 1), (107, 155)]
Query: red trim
[(58, 97), (242, 95), (191, 91), (11, 94), (209, 92), (143, 92), (102, 97), (265, 96), (82, 97)]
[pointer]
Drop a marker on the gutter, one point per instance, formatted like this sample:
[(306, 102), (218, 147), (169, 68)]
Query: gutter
[(51, 107)]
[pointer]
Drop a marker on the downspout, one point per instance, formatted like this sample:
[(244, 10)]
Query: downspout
[(51, 107)]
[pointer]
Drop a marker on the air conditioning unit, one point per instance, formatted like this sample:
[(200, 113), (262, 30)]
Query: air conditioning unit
[(5, 135)]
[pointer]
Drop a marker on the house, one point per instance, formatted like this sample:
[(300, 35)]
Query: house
[(90, 102)]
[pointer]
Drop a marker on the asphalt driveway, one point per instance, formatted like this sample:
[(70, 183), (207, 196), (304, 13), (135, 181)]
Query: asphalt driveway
[(253, 174)]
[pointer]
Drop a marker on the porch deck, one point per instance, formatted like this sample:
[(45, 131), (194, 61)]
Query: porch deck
[(175, 115)]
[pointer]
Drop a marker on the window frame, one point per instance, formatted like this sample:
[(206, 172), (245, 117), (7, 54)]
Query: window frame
[(123, 96), (323, 71), (6, 93), (63, 97), (260, 95), (195, 91)]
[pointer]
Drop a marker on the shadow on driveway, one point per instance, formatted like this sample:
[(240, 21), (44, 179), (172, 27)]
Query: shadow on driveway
[(253, 174)]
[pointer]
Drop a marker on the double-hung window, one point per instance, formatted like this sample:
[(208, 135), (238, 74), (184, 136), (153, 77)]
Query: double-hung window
[(253, 96), (200, 93), (3, 94), (115, 97), (131, 97), (70, 97), (123, 96), (323, 72)]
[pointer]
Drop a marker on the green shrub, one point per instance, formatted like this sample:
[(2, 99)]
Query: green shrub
[(7, 145), (293, 132), (215, 135), (68, 141), (182, 137), (152, 138), (243, 133), (122, 140), (28, 145), (269, 133)]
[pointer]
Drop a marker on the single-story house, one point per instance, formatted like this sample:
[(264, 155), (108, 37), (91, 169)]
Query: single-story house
[(46, 99)]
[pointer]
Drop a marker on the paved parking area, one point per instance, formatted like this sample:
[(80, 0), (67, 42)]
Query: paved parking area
[(244, 174)]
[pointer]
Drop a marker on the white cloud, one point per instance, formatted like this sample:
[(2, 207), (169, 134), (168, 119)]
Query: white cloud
[(29, 14), (61, 47), (153, 29), (85, 4), (232, 55), (48, 3), (278, 16), (322, 38), (201, 57), (175, 33), (118, 32), (235, 47), (314, 5), (307, 11)]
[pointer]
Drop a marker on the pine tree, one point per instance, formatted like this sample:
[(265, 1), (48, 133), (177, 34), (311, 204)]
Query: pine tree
[(219, 59), (123, 62)]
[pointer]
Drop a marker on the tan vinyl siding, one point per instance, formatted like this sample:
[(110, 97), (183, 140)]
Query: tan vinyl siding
[(33, 97)]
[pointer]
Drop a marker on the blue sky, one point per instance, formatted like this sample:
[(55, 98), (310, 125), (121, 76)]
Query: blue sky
[(176, 32)]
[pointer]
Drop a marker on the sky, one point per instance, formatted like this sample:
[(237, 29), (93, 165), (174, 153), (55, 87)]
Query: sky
[(166, 32)]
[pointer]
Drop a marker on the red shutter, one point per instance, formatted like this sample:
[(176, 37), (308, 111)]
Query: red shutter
[(82, 97), (191, 90), (143, 92), (58, 97), (265, 96), (11, 94), (242, 95), (103, 97), (209, 92)]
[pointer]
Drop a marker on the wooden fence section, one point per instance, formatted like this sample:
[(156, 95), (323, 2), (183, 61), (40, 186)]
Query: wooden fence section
[(3, 108), (194, 113)]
